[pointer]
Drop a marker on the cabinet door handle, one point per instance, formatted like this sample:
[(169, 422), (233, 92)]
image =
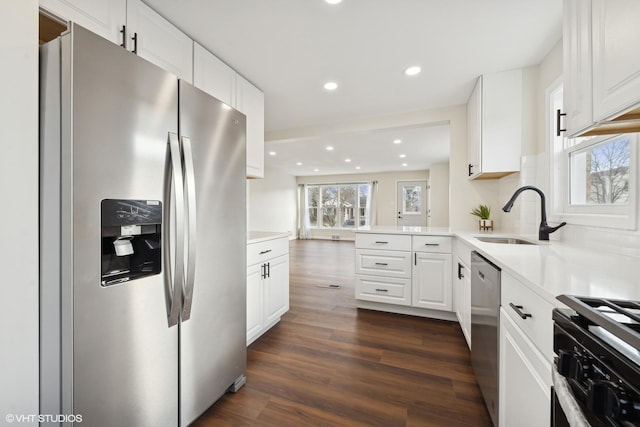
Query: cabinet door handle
[(123, 31), (382, 290), (470, 167), (262, 271), (415, 258), (432, 244), (518, 309), (558, 127), (382, 243), (265, 252), (135, 43), (460, 275), (381, 263), (268, 269)]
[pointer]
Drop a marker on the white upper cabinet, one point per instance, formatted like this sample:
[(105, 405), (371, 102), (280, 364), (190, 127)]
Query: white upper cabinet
[(218, 79), (601, 66), (104, 17), (494, 116), (138, 28), (134, 26), (250, 101), (577, 101), (155, 39), (213, 76), (616, 63)]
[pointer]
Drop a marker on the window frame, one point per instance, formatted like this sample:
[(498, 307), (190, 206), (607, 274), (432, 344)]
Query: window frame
[(340, 219), (623, 217)]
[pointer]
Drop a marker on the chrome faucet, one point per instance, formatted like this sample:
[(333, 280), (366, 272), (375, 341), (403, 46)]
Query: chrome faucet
[(545, 229)]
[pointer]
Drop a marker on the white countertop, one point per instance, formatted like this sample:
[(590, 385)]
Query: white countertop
[(551, 268), (261, 236)]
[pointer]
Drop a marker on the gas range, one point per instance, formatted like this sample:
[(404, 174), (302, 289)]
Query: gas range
[(597, 344)]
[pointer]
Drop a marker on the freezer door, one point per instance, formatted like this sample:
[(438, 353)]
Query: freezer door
[(124, 353), (212, 333)]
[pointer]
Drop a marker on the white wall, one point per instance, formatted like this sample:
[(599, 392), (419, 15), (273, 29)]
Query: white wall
[(439, 181), (524, 218), (19, 213), (465, 194), (272, 203), (386, 197)]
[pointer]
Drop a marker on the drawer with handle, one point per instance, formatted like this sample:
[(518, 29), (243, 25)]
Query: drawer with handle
[(383, 263), (441, 244), (387, 242), (530, 312), (383, 289), (269, 249)]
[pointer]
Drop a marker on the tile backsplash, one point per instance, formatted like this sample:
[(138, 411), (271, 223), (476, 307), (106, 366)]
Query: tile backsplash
[(524, 218)]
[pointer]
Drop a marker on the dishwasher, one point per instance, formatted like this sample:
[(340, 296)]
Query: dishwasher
[(485, 321)]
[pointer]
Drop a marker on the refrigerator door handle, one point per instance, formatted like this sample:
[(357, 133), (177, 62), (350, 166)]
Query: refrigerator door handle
[(190, 190), (173, 179)]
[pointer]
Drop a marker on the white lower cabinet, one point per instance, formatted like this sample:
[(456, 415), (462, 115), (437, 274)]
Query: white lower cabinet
[(431, 281), (267, 285), (525, 379), (407, 273)]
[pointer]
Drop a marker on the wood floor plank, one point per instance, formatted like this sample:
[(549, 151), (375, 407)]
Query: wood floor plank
[(328, 363)]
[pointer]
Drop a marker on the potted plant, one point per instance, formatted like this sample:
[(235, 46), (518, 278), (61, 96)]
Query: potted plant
[(484, 213)]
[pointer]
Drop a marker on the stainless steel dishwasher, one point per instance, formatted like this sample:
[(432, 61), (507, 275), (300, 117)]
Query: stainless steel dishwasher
[(485, 320)]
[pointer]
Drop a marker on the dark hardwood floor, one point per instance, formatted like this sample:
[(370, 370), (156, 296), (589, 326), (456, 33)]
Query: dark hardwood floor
[(328, 363)]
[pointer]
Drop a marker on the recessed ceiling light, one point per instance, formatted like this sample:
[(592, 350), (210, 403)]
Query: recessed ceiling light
[(272, 153), (316, 170), (402, 156), (331, 86), (397, 141), (347, 160), (404, 164), (329, 148), (358, 167), (412, 71), (299, 164), (333, 1)]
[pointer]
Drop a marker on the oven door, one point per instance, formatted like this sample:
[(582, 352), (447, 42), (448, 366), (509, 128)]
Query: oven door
[(565, 409), (558, 417)]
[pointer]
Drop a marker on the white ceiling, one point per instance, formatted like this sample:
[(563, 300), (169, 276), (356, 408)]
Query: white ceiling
[(290, 48)]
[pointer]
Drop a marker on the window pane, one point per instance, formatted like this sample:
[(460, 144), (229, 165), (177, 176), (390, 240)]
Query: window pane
[(412, 200), (313, 196), (599, 174), (348, 205), (364, 192), (329, 205)]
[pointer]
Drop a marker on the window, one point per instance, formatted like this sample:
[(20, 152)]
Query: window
[(593, 179), (339, 205)]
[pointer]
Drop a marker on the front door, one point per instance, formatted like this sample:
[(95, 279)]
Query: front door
[(412, 203)]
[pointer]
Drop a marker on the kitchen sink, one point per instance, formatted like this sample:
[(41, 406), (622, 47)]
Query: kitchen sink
[(504, 240)]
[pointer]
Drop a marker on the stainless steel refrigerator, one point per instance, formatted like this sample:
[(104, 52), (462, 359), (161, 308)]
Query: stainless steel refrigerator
[(143, 239)]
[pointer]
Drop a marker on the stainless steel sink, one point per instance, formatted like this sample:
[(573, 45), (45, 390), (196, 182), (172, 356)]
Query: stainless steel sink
[(504, 240)]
